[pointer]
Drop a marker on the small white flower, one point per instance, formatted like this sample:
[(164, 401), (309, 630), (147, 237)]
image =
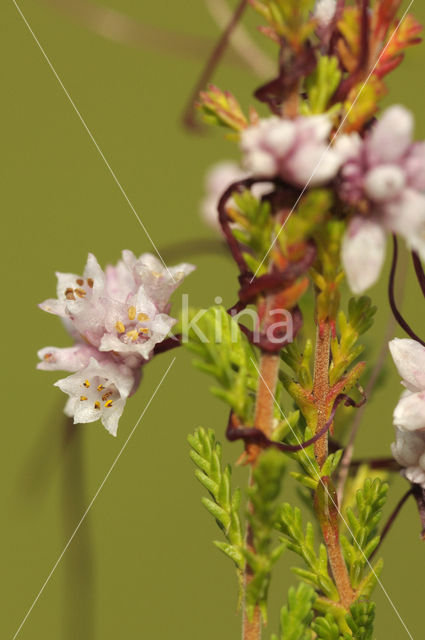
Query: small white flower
[(409, 414), (98, 391)]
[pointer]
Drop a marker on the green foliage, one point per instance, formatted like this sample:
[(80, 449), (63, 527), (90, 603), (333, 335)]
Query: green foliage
[(344, 349), (223, 352), (287, 18), (361, 619), (290, 524), (222, 504), (311, 211), (322, 84), (300, 362), (221, 108), (296, 616), (363, 522), (263, 514), (255, 228), (326, 628)]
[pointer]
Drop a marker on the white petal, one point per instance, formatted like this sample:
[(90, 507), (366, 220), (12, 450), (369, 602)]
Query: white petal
[(313, 164), (408, 447), (68, 359), (324, 12), (348, 146), (280, 138), (94, 272), (409, 413), (363, 254), (385, 182), (392, 135), (261, 163), (416, 475), (409, 358)]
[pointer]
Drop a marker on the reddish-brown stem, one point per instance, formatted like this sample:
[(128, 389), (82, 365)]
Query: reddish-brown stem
[(269, 370), (219, 49), (326, 507), (321, 387)]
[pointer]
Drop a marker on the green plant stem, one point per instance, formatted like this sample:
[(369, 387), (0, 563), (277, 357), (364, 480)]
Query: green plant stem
[(321, 387), (264, 412)]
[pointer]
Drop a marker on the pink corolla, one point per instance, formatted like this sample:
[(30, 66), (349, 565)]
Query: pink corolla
[(116, 318), (409, 414), (297, 151), (219, 177), (383, 178)]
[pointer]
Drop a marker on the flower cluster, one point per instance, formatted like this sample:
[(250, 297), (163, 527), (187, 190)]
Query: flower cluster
[(409, 414), (297, 151), (379, 177), (116, 318), (383, 177)]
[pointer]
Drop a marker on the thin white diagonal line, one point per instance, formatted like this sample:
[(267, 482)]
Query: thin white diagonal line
[(92, 501), (332, 500), (83, 122), (333, 138)]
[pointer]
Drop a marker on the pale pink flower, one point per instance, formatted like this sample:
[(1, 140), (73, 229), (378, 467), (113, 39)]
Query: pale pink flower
[(384, 175), (297, 151), (116, 318), (409, 414), (219, 177), (124, 311)]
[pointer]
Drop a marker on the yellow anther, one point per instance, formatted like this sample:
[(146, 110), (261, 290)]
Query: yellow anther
[(143, 330), (97, 405), (108, 404), (132, 312), (86, 384), (80, 293), (100, 387), (133, 335), (142, 316), (120, 327), (82, 398), (48, 356), (80, 282), (106, 395)]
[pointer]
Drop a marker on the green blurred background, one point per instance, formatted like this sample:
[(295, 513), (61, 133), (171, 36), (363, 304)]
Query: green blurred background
[(142, 564)]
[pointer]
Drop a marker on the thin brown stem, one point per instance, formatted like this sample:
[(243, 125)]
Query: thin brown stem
[(213, 60), (321, 387), (242, 43), (264, 411), (376, 372)]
